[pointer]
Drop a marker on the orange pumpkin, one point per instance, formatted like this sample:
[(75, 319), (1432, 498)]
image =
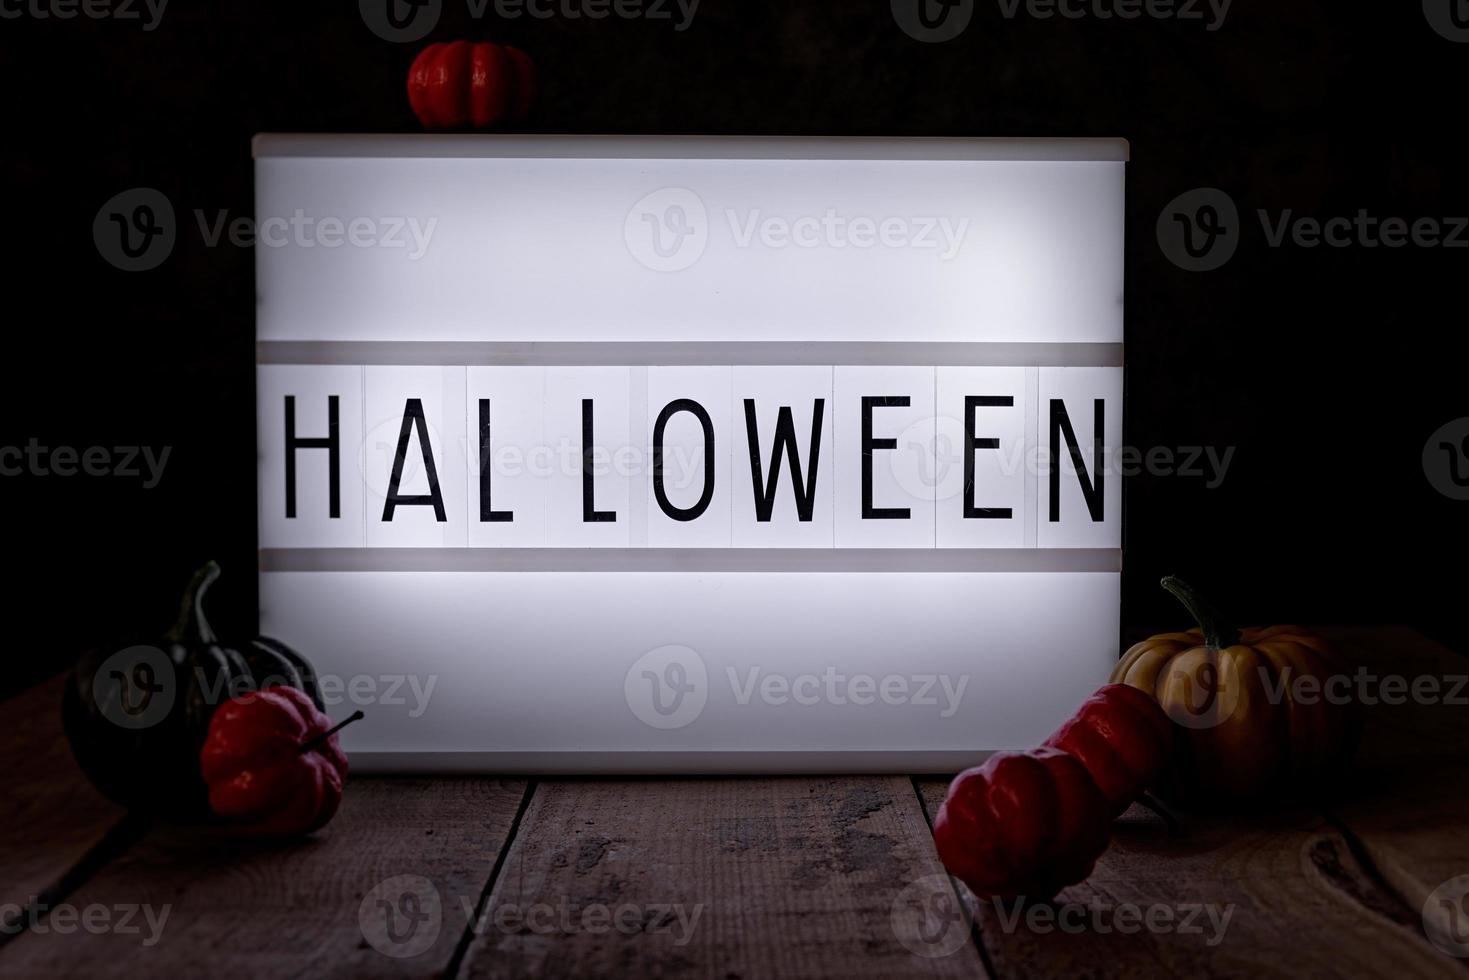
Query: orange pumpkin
[(1253, 710)]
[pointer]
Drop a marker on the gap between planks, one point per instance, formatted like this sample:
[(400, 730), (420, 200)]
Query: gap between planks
[(755, 877), (963, 899), (327, 905), (57, 826)]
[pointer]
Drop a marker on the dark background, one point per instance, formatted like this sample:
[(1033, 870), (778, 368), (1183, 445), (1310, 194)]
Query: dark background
[(1328, 369)]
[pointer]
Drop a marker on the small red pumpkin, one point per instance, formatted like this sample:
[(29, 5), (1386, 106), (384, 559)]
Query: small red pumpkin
[(273, 764), (464, 85), (1024, 823), (1123, 738)]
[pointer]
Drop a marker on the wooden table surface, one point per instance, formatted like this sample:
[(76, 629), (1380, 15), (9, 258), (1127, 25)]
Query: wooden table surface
[(741, 878)]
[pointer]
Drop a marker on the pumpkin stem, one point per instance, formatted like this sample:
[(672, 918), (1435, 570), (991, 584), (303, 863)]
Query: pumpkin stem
[(191, 625), (313, 743), (1218, 634)]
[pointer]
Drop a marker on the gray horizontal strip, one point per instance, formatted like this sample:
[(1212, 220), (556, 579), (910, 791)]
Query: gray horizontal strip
[(687, 560), (267, 145), (635, 762), (677, 353)]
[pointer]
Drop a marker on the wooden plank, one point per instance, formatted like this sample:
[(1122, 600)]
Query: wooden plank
[(1297, 904), (1409, 801), (222, 907), (51, 814), (725, 878), (1303, 898), (778, 877)]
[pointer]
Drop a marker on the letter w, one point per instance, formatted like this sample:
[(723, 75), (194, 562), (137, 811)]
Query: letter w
[(785, 441)]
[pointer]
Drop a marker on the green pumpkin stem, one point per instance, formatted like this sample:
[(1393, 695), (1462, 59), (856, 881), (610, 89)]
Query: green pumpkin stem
[(1218, 633), (313, 743), (191, 625)]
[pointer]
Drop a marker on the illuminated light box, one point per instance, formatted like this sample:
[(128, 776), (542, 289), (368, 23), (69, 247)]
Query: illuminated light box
[(585, 454)]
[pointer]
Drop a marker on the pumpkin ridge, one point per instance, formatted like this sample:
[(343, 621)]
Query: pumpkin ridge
[(1241, 724)]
